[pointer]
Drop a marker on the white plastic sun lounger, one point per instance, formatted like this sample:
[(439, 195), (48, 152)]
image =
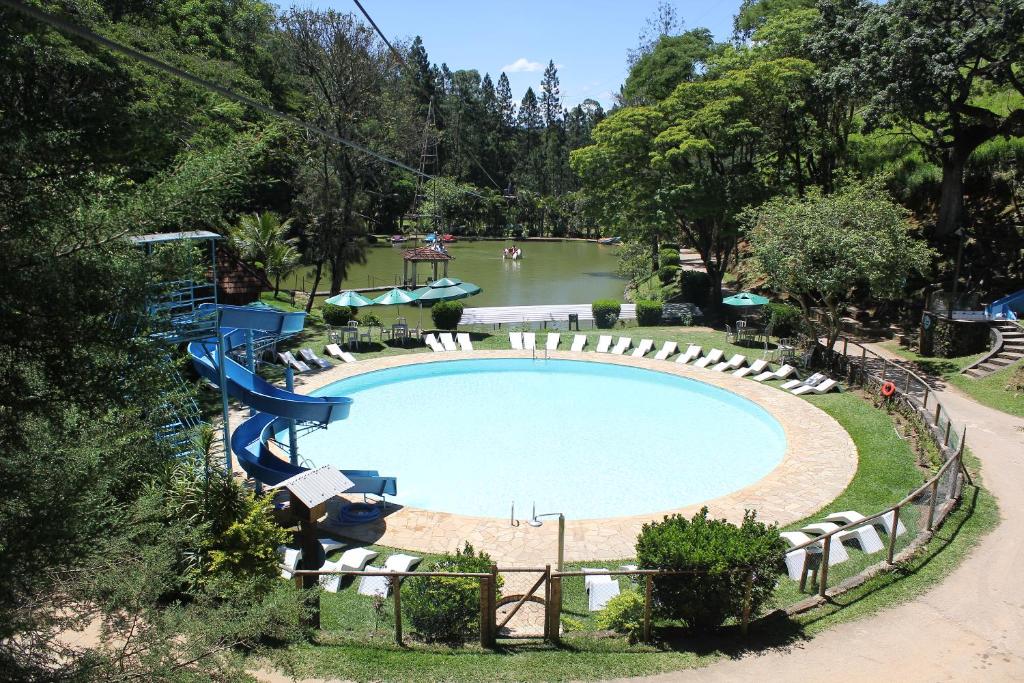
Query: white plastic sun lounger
[(852, 517), (600, 588), (352, 560), (809, 382), (432, 342), (643, 348), (313, 359), (287, 358), (578, 342), (448, 341), (553, 339), (823, 388), (290, 559), (329, 544), (795, 558), (755, 367), (732, 364), (529, 340), (335, 351), (714, 356), (692, 352), (865, 536), (465, 343), (782, 373), (515, 339), (604, 342), (667, 349), (621, 346), (380, 585)]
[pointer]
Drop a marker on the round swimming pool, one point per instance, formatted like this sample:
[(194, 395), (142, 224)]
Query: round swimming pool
[(587, 439)]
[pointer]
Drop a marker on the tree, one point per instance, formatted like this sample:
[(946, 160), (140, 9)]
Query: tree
[(927, 70), (754, 14), (665, 22), (672, 60), (823, 249), (257, 235)]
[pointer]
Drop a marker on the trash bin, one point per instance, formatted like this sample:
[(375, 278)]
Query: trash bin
[(574, 319)]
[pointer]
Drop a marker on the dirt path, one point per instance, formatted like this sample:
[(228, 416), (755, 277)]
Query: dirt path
[(969, 627)]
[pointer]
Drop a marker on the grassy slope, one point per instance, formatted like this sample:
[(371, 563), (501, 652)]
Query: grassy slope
[(991, 391)]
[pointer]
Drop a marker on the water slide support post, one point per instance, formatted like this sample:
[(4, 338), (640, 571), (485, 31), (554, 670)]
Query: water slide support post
[(250, 361), (222, 380), (293, 437)]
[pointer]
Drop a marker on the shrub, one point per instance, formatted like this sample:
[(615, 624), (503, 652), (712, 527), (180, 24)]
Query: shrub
[(648, 313), (606, 313), (786, 320), (371, 319), (446, 314), (668, 257), (447, 609), (722, 553), (624, 614), (695, 286), (337, 315), (668, 274)]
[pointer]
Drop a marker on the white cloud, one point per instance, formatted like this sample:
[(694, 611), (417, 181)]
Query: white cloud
[(522, 64)]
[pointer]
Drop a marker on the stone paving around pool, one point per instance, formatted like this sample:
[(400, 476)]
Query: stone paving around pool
[(819, 462)]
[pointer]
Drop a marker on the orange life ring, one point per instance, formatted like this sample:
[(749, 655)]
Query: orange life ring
[(888, 389)]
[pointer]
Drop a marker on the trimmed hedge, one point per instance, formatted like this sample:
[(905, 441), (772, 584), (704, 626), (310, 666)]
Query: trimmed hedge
[(786, 320), (337, 315), (722, 554), (668, 257), (446, 314), (668, 274), (695, 285), (447, 609), (648, 313), (606, 313)]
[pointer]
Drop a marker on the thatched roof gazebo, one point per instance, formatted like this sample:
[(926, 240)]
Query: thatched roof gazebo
[(431, 255)]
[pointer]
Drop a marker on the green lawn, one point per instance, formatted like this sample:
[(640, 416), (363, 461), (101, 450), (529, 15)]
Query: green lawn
[(992, 391)]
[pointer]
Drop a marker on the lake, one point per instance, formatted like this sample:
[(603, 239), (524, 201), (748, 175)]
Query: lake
[(570, 272)]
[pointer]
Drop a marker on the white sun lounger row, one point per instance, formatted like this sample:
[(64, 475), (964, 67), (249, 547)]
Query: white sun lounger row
[(446, 342), (865, 537), (335, 351)]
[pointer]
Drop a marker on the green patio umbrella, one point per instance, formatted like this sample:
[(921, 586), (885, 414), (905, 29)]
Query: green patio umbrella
[(394, 297), (445, 289), (349, 298), (745, 299)]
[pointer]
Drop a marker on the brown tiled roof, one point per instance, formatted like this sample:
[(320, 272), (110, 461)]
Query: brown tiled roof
[(425, 254), (237, 281)]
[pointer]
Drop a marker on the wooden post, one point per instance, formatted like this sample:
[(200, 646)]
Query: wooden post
[(648, 592), (554, 611), (906, 386), (485, 592), (396, 590), (547, 601), (885, 368), (748, 597), (931, 504), (823, 571), (938, 411), (492, 604), (949, 424), (892, 534), (845, 342), (924, 404)]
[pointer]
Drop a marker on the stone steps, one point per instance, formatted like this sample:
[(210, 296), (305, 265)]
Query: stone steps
[(1011, 352)]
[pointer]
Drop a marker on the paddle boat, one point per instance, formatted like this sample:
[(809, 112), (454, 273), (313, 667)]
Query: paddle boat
[(398, 239), (610, 240), (514, 253), (448, 237)]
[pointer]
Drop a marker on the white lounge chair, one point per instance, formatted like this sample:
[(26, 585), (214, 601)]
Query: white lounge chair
[(313, 359), (667, 349), (290, 559), (465, 343), (757, 366), (432, 342), (329, 544), (782, 373), (852, 517), (335, 351), (865, 536), (621, 345), (600, 589), (836, 552), (822, 388), (643, 348), (604, 342), (732, 364), (515, 339), (578, 342), (448, 341), (352, 560), (714, 356), (380, 585), (529, 341), (814, 379), (795, 559), (692, 352), (288, 359), (553, 339)]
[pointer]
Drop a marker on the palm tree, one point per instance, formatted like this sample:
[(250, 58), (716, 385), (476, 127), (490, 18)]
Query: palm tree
[(256, 235), (281, 260)]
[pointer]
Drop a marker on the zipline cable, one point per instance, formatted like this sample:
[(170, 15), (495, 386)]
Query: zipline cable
[(68, 27)]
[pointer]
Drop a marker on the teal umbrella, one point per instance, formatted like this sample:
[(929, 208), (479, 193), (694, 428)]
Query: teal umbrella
[(349, 298), (745, 299), (394, 297), (445, 289)]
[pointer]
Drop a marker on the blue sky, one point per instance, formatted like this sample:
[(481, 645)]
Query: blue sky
[(587, 39)]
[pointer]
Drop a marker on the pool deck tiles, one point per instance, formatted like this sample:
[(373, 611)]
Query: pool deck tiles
[(819, 462)]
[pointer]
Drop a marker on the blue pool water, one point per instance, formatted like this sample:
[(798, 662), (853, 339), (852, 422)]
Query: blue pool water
[(587, 439)]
